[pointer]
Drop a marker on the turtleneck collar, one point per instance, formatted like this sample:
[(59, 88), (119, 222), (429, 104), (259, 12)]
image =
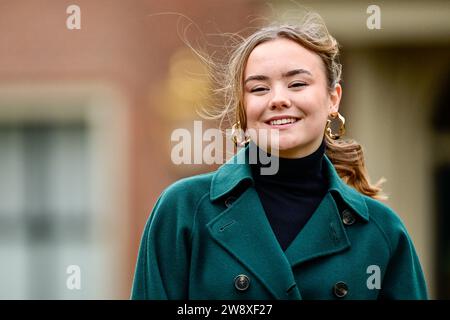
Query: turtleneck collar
[(309, 166)]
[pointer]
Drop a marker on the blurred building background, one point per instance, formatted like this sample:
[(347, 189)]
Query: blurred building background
[(86, 118)]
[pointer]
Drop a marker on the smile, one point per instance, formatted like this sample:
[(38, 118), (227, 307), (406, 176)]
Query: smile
[(282, 121)]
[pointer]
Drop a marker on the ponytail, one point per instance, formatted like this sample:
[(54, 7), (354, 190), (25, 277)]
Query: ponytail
[(348, 159)]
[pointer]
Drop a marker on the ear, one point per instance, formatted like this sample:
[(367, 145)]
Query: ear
[(335, 98)]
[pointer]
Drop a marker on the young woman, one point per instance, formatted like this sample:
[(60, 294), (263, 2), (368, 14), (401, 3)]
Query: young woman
[(313, 230)]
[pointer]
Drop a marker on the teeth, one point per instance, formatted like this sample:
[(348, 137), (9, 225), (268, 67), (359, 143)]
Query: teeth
[(282, 121)]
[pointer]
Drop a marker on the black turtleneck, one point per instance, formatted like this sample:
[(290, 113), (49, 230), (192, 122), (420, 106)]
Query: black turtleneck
[(291, 196)]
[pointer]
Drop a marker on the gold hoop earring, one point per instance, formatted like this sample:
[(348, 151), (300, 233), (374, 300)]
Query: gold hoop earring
[(341, 132), (237, 131)]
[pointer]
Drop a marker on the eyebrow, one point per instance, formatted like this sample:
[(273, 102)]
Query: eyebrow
[(284, 75)]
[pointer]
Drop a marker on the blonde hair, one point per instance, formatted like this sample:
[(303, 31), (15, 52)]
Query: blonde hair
[(312, 34)]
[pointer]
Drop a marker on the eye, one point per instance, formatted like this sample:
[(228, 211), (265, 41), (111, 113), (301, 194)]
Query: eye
[(298, 85), (259, 89)]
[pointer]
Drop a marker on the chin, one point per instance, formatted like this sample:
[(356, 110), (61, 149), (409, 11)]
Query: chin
[(289, 144)]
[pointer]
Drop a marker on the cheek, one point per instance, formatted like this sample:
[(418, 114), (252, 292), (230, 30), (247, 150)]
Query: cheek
[(317, 119), (253, 109), (314, 104)]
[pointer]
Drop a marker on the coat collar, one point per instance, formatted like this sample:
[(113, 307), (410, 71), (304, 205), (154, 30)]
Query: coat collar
[(237, 170)]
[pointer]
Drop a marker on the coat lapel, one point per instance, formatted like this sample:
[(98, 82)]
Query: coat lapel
[(322, 235), (244, 231)]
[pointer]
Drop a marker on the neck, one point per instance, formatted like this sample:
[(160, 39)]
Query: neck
[(294, 168)]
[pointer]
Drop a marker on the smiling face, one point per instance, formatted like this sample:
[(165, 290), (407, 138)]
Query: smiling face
[(285, 89)]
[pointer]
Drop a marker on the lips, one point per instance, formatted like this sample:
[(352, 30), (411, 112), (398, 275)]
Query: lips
[(282, 120)]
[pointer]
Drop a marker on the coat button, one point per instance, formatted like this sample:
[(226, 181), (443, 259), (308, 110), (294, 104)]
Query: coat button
[(348, 218), (340, 289), (229, 201), (241, 282)]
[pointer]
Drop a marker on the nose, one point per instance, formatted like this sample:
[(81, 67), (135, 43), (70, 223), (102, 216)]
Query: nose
[(280, 99)]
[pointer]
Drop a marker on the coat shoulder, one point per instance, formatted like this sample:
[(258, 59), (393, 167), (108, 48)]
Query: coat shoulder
[(404, 278), (174, 211), (387, 221), (162, 265), (179, 200), (189, 189)]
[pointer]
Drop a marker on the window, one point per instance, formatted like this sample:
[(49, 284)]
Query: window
[(46, 221)]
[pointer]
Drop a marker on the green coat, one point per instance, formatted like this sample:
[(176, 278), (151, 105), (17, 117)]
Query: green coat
[(207, 230)]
